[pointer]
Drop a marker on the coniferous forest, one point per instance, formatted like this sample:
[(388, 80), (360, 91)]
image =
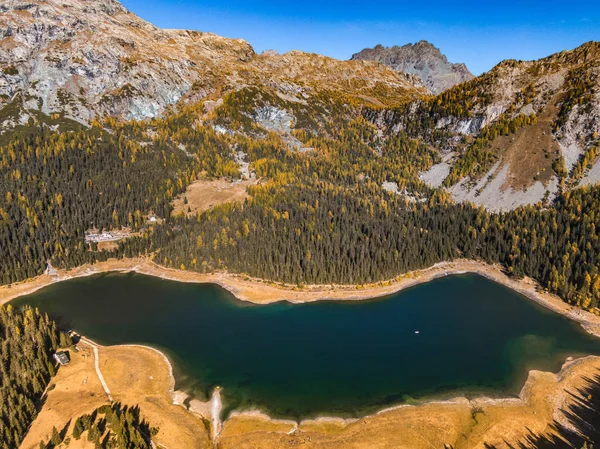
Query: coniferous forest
[(324, 235), (318, 216), (28, 339), (109, 426)]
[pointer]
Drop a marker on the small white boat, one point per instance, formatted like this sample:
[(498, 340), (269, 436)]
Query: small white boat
[(416, 332)]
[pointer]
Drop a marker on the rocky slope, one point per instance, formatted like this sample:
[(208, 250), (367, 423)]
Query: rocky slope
[(514, 135), (421, 59), (90, 58)]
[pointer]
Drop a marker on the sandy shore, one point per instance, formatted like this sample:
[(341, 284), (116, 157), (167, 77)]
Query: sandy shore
[(523, 397), (205, 408), (260, 291), (144, 375), (458, 422)]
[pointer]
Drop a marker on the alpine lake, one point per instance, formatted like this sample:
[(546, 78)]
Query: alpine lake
[(458, 335)]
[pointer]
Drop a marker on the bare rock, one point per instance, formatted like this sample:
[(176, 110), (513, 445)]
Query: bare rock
[(421, 59)]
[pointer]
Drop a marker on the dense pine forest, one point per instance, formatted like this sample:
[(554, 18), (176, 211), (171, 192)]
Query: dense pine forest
[(323, 217), (28, 340), (337, 200), (318, 217), (57, 184), (109, 426), (322, 234)]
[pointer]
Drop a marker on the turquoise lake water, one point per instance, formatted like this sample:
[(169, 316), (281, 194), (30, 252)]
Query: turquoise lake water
[(343, 358)]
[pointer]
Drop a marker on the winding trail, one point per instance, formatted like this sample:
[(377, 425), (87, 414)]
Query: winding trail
[(97, 366), (94, 347)]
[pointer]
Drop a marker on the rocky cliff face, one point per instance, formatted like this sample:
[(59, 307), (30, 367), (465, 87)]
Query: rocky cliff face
[(514, 135), (90, 58), (421, 59)]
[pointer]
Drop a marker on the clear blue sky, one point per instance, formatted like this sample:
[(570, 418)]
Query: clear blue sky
[(479, 33)]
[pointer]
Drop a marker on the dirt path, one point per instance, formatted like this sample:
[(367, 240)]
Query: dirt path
[(136, 375), (97, 367)]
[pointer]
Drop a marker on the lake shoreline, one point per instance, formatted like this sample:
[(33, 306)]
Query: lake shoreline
[(256, 418), (203, 408), (259, 291), (259, 418), (477, 401), (178, 397)]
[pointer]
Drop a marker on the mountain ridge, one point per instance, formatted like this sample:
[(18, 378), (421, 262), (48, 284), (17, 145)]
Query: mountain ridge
[(88, 60), (95, 58), (545, 113), (422, 59)]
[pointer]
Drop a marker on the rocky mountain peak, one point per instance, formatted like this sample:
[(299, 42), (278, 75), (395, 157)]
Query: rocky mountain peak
[(422, 59), (89, 58), (424, 46), (92, 58)]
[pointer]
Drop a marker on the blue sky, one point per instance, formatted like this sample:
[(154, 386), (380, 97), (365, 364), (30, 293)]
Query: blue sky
[(479, 33)]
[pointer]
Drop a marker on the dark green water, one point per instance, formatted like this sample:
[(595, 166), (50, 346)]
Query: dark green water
[(344, 358)]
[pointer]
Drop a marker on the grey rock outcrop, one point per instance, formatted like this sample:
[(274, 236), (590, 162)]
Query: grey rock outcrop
[(421, 59), (92, 58)]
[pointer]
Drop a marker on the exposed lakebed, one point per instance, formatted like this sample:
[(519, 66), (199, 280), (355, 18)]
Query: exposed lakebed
[(461, 334)]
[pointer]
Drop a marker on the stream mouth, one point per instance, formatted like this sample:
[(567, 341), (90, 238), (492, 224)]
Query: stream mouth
[(460, 335)]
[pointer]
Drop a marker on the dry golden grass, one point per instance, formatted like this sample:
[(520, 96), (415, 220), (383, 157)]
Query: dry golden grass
[(204, 194), (428, 426), (78, 391), (107, 246), (135, 376), (139, 375)]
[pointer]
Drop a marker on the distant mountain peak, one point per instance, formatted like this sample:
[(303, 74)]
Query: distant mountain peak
[(422, 59)]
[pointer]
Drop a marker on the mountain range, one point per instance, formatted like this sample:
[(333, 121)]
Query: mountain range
[(175, 107), (91, 59)]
